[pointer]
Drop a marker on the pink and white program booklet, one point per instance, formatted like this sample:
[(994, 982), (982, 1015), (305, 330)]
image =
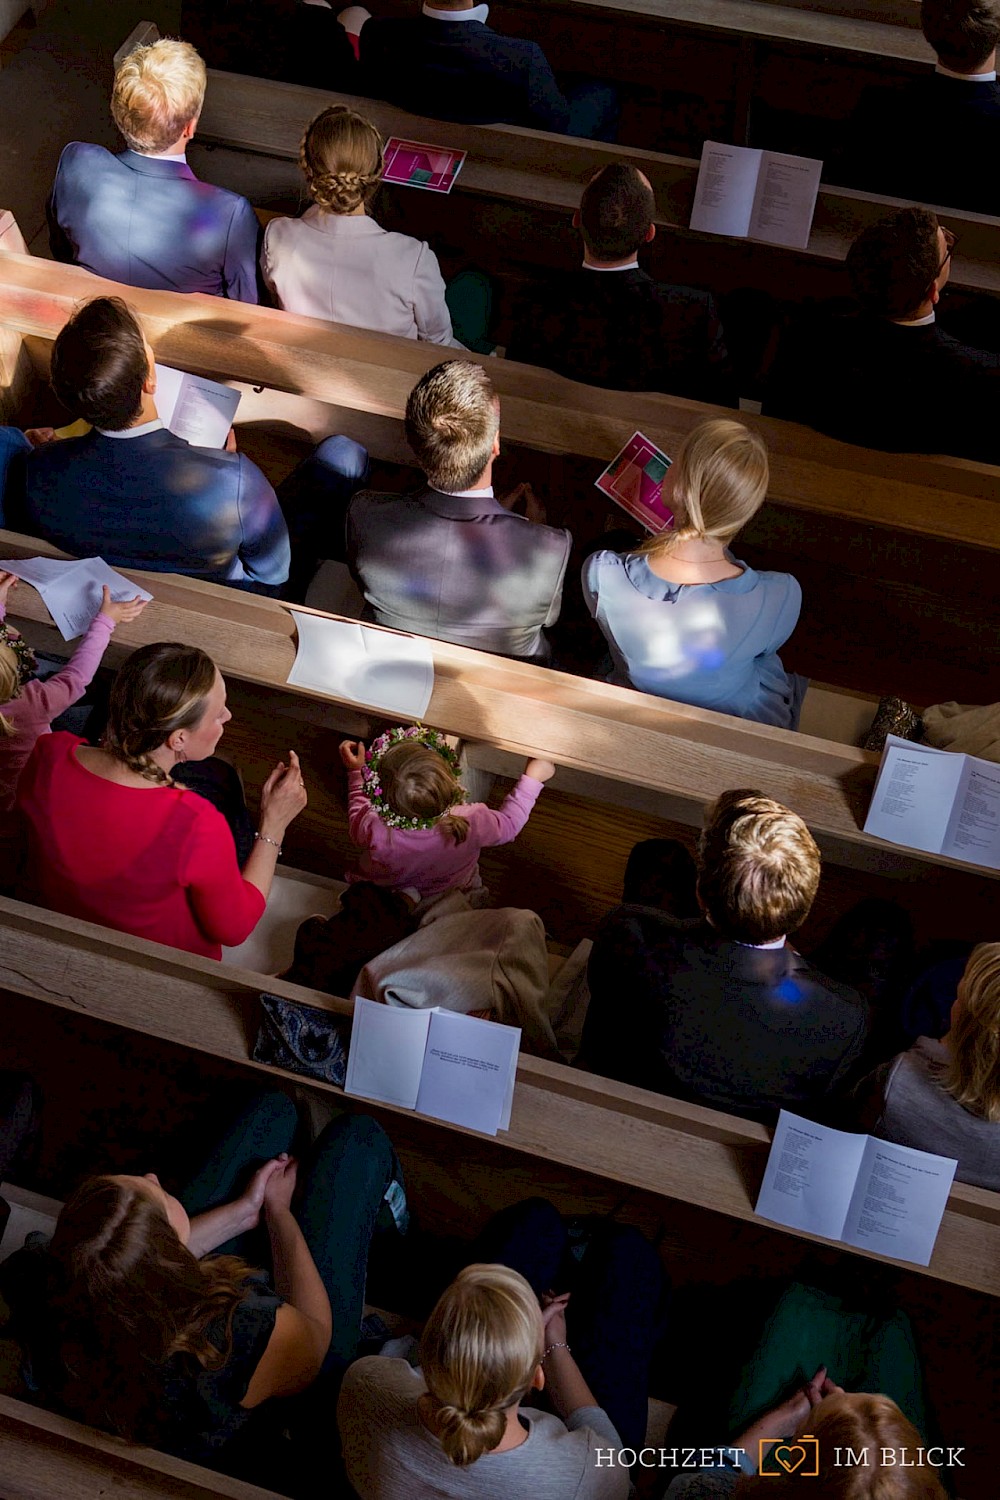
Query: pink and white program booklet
[(634, 479), (414, 164)]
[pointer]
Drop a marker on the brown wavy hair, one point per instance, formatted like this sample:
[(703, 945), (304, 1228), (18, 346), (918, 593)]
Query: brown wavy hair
[(125, 1298), (341, 157), (865, 1424), (160, 689)]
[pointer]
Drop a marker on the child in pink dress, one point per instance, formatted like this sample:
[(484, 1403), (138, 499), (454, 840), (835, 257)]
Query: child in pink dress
[(406, 814), (27, 705)]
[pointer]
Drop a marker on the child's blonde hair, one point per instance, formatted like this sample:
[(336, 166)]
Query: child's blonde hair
[(479, 1352), (10, 684), (973, 1076), (158, 90), (342, 158), (719, 482), (418, 783)]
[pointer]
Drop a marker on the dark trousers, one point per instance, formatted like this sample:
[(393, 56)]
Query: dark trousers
[(616, 1313), (219, 783), (314, 499), (342, 1182)]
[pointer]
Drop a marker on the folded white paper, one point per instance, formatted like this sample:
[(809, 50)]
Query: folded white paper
[(869, 1193), (197, 409), (379, 668), (71, 591), (937, 800), (442, 1063), (760, 195)]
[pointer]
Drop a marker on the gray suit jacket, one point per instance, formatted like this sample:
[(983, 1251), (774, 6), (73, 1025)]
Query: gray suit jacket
[(462, 570)]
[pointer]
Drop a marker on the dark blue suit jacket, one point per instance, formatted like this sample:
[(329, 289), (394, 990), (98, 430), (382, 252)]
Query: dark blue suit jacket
[(155, 502), (460, 70), (149, 222)]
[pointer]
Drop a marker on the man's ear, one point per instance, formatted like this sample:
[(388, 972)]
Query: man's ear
[(187, 134), (496, 445), (538, 1379), (576, 218), (650, 234)]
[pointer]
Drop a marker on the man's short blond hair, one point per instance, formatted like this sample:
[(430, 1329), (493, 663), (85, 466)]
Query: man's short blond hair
[(158, 90), (758, 868), (452, 420)]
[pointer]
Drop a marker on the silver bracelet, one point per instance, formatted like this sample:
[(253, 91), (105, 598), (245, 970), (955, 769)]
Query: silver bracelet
[(265, 840), (550, 1347)]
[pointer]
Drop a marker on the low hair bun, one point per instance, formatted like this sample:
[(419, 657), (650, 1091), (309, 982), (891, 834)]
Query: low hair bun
[(466, 1435)]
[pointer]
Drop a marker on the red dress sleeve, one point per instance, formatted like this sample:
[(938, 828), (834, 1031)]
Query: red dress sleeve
[(226, 907)]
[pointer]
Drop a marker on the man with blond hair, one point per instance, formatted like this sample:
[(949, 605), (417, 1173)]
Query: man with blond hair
[(142, 217), (719, 1008), (453, 561)]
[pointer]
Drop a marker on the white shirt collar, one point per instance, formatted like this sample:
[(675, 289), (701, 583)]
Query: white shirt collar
[(915, 322), (967, 77), (633, 265), (778, 943), (165, 156), (477, 13), (482, 494), (131, 432)]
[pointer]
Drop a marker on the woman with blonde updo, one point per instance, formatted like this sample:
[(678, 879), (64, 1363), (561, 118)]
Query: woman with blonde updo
[(683, 617), (457, 1427), (114, 837), (335, 262)]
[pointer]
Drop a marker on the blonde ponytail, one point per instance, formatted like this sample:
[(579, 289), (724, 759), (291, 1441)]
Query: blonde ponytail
[(718, 483)]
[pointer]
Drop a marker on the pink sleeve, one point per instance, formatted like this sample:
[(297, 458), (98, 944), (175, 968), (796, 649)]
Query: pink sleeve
[(363, 825), (504, 824), (46, 700), (227, 908)]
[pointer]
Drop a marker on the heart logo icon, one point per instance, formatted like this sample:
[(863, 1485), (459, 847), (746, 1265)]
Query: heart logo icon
[(790, 1458)]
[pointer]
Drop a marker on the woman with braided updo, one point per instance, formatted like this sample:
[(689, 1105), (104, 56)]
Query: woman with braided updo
[(113, 838), (335, 262)]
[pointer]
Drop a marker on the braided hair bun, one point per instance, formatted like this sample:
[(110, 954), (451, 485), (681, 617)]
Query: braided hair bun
[(341, 157)]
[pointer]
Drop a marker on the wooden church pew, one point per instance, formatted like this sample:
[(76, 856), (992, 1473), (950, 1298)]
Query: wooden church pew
[(604, 1129), (249, 135), (903, 541)]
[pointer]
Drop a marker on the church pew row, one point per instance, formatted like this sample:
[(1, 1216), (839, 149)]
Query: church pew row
[(595, 1126), (48, 1457), (900, 545), (722, 69), (611, 744), (249, 135)]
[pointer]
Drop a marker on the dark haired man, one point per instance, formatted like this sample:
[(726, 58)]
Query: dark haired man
[(130, 490), (719, 1008), (609, 323), (937, 138), (887, 375)]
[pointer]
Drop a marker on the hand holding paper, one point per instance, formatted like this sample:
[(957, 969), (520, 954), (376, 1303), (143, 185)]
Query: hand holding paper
[(74, 591)]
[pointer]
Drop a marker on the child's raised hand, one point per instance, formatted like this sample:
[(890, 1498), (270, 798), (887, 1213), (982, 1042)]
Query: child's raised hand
[(352, 753), (120, 611), (540, 770), (8, 581)]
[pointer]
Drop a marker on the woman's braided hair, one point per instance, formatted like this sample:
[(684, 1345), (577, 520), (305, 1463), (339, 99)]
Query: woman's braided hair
[(341, 157), (160, 689)]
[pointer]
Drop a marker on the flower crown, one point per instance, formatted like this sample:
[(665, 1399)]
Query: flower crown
[(23, 654), (373, 786)]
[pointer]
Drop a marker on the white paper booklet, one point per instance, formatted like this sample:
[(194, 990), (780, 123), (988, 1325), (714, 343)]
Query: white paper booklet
[(937, 800), (758, 195), (438, 1062), (379, 668), (853, 1188), (199, 410), (71, 591)]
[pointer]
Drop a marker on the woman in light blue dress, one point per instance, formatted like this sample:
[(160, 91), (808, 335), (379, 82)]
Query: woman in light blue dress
[(683, 617)]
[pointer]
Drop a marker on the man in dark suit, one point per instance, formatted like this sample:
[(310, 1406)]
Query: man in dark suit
[(448, 63), (290, 40), (142, 217), (935, 139), (719, 1009), (610, 324), (452, 561), (132, 492), (887, 375)]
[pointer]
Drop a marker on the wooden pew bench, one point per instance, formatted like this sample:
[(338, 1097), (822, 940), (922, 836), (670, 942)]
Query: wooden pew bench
[(904, 540), (515, 195)]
